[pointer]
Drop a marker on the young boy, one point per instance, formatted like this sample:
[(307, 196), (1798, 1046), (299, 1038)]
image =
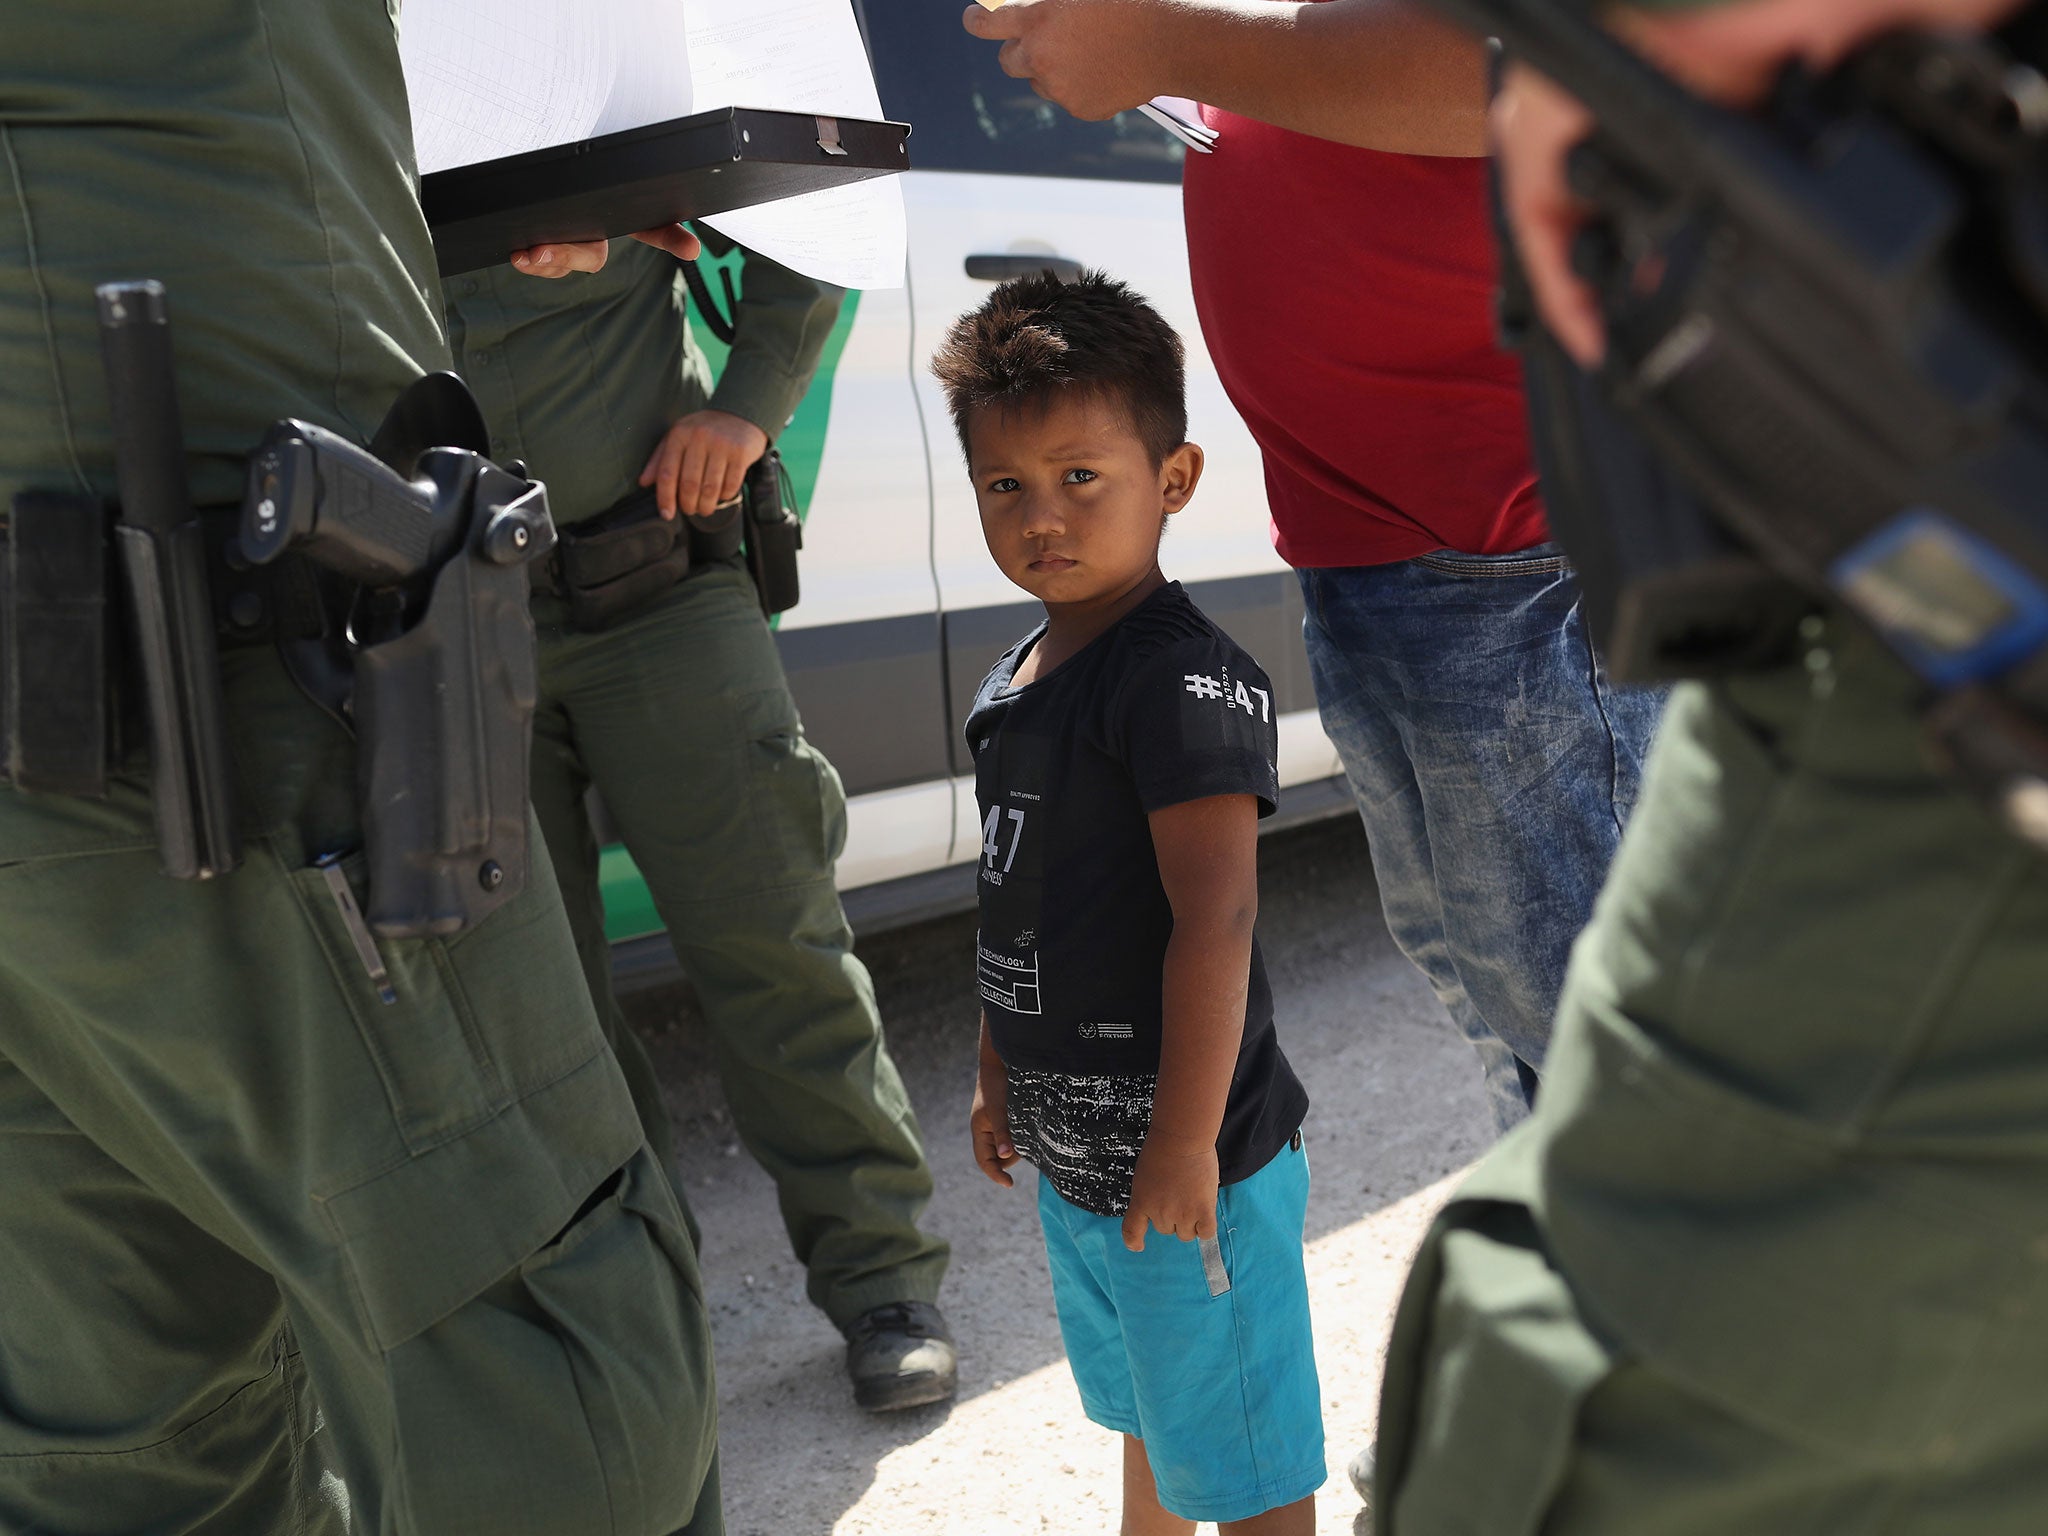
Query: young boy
[(1124, 751)]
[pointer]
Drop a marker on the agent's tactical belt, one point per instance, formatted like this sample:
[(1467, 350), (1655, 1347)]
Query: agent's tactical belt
[(608, 567), (59, 719), (68, 694)]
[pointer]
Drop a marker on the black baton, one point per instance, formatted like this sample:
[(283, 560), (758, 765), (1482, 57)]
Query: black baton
[(163, 557)]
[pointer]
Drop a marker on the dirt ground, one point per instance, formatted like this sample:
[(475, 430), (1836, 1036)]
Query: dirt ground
[(1398, 1112)]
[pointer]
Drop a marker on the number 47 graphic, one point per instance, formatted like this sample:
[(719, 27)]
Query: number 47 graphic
[(991, 830)]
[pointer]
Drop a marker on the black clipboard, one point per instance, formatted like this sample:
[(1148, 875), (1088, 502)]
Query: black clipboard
[(732, 157)]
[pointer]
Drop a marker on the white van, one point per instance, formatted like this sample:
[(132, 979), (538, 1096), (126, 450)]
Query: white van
[(902, 610)]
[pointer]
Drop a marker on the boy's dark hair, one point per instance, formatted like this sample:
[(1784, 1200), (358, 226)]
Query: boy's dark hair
[(1038, 337)]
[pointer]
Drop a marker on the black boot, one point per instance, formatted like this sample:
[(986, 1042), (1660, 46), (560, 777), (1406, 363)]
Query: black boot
[(901, 1355)]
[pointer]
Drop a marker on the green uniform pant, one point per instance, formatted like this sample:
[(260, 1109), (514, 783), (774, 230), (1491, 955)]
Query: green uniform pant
[(1771, 1257), (234, 1184), (682, 718)]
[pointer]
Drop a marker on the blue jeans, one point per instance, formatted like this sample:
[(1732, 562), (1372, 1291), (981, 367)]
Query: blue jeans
[(1493, 764)]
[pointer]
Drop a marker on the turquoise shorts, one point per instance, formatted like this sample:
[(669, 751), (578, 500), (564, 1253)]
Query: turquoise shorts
[(1201, 1350)]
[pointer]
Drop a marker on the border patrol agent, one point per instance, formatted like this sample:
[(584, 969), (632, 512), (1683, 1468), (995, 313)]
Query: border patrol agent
[(233, 1183), (1771, 1255), (680, 714)]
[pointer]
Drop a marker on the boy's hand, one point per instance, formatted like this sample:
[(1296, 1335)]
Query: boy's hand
[(989, 1123), (1175, 1190)]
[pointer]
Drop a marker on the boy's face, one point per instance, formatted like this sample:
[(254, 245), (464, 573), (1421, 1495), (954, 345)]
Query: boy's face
[(1071, 504)]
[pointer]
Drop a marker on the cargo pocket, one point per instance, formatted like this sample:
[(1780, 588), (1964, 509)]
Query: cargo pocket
[(622, 1292), (415, 1026), (1489, 1365), (456, 1029), (798, 807), (592, 1360)]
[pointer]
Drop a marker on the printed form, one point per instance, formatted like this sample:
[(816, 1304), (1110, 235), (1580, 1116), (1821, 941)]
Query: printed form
[(489, 78), (802, 56)]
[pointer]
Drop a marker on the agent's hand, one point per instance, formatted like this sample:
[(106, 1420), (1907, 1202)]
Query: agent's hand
[(989, 1124), (1535, 126), (1727, 53), (1096, 58), (1174, 1190), (701, 461), (561, 257)]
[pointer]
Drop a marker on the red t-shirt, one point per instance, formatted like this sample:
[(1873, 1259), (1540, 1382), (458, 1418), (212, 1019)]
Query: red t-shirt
[(1346, 296)]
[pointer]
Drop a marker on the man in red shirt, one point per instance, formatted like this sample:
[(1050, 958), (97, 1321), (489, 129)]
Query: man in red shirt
[(1344, 271)]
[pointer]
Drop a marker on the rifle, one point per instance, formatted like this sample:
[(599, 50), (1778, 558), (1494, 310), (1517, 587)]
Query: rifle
[(1827, 319)]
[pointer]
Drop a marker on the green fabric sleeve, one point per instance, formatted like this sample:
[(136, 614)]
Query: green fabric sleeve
[(781, 324)]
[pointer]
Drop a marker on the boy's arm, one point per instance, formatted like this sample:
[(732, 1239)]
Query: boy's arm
[(988, 1121), (1208, 863)]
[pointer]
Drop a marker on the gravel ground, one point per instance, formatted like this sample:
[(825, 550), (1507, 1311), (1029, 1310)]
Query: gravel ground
[(1398, 1112)]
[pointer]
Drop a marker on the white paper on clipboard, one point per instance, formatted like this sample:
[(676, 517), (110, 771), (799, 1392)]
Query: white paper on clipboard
[(802, 56), (489, 78)]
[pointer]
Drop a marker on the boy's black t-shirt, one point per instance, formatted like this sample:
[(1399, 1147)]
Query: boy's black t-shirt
[(1160, 709)]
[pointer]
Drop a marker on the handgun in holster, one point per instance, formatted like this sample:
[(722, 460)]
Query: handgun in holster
[(610, 566), (774, 532), (441, 653), (772, 525), (1829, 325)]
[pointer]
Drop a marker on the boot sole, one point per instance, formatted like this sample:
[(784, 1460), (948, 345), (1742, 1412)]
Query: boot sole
[(888, 1394)]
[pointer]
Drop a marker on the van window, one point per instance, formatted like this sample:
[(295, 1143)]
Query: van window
[(967, 115)]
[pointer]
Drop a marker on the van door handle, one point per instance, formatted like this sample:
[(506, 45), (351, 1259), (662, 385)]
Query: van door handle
[(989, 267)]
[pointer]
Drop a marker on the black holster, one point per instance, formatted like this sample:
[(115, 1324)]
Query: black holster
[(775, 532), (444, 725), (434, 665), (609, 567)]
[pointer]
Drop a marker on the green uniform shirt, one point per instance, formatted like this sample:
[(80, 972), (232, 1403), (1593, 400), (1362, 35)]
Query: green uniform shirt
[(581, 376), (152, 140)]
